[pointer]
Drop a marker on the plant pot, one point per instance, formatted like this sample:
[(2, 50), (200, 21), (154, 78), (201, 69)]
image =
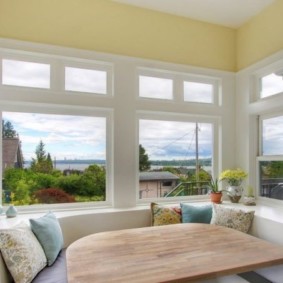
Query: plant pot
[(216, 197)]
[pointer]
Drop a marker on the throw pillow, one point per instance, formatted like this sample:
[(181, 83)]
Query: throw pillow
[(163, 215), (48, 232), (22, 253), (196, 213), (232, 218)]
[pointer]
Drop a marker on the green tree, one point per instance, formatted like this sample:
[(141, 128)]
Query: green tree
[(274, 169), (144, 163), (42, 163), (92, 181), (8, 130)]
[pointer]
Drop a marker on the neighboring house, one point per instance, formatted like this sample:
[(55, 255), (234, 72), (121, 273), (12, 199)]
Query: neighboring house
[(156, 184), (12, 153)]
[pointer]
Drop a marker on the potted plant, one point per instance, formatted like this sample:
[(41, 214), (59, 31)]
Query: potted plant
[(234, 178), (215, 193), (249, 198)]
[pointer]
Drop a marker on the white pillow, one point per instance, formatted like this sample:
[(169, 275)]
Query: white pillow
[(22, 252), (232, 218)]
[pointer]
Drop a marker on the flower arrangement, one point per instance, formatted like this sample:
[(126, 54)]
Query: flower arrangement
[(234, 177)]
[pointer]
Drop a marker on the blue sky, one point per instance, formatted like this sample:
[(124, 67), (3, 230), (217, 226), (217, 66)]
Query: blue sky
[(65, 137), (165, 140)]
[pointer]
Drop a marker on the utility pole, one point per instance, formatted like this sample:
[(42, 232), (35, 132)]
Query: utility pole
[(197, 160)]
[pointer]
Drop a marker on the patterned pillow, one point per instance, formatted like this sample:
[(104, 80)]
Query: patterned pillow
[(22, 253), (162, 215), (232, 218)]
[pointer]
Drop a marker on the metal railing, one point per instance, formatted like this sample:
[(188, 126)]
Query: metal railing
[(189, 189)]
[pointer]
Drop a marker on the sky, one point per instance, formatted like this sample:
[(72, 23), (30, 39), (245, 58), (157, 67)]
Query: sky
[(165, 140), (272, 133), (65, 137)]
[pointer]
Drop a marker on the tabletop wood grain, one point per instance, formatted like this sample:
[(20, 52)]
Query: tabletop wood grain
[(171, 253)]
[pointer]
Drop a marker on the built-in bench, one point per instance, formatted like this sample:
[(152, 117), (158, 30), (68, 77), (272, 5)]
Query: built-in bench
[(267, 224)]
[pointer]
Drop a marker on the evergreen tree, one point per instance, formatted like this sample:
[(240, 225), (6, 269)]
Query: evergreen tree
[(8, 130), (42, 163), (144, 162)]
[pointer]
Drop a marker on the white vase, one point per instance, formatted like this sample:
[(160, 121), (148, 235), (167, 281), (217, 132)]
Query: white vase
[(234, 193), (11, 212)]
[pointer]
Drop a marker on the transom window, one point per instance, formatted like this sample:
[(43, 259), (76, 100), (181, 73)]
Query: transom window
[(270, 85), (198, 92), (85, 80), (154, 87), (25, 74)]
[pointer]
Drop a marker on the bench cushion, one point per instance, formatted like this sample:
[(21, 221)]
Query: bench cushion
[(56, 273)]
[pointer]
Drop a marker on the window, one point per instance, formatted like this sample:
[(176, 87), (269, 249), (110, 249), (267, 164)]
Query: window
[(25, 74), (270, 85), (153, 87), (51, 95), (85, 80), (50, 158), (270, 163), (198, 92), (175, 153)]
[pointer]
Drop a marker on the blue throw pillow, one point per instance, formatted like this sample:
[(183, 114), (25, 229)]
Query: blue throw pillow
[(195, 213), (49, 234)]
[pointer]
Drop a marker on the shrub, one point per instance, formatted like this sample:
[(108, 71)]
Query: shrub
[(53, 195)]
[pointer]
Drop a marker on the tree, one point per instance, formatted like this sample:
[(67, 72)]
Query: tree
[(8, 130), (144, 163), (42, 163)]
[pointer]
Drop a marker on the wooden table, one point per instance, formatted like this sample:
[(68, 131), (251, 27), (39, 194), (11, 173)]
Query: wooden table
[(172, 253)]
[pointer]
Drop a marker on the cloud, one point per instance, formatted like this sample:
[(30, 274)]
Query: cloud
[(78, 135), (174, 140), (272, 136)]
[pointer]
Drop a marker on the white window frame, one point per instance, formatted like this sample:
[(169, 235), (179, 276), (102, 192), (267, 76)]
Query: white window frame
[(174, 117), (159, 74), (178, 79), (72, 111), (123, 102), (255, 81), (215, 82), (262, 157), (95, 66), (57, 71)]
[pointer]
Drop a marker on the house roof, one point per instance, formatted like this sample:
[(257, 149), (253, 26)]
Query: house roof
[(11, 151), (157, 176)]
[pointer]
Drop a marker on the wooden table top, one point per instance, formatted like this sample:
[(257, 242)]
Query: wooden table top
[(171, 253)]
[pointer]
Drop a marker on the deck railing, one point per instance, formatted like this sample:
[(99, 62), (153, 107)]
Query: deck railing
[(189, 189)]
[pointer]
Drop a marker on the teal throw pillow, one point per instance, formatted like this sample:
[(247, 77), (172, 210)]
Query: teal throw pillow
[(49, 234), (196, 213)]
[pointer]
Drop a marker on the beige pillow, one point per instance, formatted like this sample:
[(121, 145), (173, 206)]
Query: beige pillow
[(163, 215), (22, 252), (232, 218)]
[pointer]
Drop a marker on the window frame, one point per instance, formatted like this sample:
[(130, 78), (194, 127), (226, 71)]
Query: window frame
[(175, 117), (72, 111), (255, 81), (95, 66), (260, 157), (124, 104), (216, 93), (178, 79)]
